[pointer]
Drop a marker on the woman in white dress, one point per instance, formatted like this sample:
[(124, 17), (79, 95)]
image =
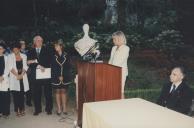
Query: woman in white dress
[(18, 78), (119, 55), (4, 83)]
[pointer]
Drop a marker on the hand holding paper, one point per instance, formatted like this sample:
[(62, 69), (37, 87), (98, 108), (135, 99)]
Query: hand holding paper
[(44, 73), (1, 78), (32, 61)]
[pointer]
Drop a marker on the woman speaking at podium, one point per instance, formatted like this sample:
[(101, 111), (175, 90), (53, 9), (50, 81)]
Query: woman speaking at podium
[(119, 56)]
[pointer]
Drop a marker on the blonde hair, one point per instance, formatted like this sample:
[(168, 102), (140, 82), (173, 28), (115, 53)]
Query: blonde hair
[(121, 35)]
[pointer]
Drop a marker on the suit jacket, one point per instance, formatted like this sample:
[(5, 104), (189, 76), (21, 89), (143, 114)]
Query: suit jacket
[(44, 60), (180, 100), (60, 66)]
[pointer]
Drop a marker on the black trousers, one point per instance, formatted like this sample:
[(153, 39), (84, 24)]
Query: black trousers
[(28, 97), (5, 103), (38, 86), (29, 93), (18, 99)]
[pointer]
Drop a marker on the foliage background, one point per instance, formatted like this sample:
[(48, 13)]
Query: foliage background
[(159, 32)]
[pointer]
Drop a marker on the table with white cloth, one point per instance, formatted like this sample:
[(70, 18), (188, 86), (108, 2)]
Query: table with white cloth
[(132, 113)]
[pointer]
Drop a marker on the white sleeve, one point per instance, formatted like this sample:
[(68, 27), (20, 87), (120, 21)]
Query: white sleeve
[(111, 55), (7, 69), (25, 66), (10, 62)]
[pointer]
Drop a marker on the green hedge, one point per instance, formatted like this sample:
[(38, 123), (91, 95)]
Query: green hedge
[(147, 94)]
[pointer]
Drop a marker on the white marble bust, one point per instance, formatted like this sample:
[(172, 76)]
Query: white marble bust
[(84, 44)]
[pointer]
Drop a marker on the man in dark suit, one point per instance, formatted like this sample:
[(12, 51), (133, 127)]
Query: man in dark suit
[(176, 95), (40, 57)]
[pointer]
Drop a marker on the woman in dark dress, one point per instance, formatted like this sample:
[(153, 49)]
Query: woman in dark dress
[(61, 76)]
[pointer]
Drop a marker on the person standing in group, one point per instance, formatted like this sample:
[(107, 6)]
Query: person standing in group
[(119, 55), (24, 49), (28, 94), (18, 78), (39, 57), (61, 76), (4, 82), (7, 50)]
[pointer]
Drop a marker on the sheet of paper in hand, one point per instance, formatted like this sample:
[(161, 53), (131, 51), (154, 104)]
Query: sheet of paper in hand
[(4, 85), (43, 75)]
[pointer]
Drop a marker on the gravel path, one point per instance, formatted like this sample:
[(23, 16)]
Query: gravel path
[(41, 121)]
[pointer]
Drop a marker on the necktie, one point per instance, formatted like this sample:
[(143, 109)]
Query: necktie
[(173, 88), (38, 52)]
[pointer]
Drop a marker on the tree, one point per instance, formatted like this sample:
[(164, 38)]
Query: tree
[(122, 6), (35, 13), (111, 13), (185, 12)]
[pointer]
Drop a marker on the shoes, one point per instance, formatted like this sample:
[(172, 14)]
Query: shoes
[(23, 113), (5, 116), (18, 114), (36, 113), (58, 113), (49, 113), (65, 113), (29, 104)]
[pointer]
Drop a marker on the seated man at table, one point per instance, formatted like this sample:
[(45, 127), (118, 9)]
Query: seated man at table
[(176, 95)]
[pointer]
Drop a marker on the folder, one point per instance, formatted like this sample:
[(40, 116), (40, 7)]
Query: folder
[(43, 75)]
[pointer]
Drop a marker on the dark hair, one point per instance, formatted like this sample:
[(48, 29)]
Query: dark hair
[(15, 45), (2, 44)]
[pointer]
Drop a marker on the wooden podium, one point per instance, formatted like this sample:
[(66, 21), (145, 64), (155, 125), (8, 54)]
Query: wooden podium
[(97, 82)]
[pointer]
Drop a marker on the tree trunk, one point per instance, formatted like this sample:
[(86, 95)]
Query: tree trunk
[(122, 8), (185, 12), (140, 14), (35, 14), (111, 15)]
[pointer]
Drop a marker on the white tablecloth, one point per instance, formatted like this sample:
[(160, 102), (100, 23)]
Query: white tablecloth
[(132, 113)]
